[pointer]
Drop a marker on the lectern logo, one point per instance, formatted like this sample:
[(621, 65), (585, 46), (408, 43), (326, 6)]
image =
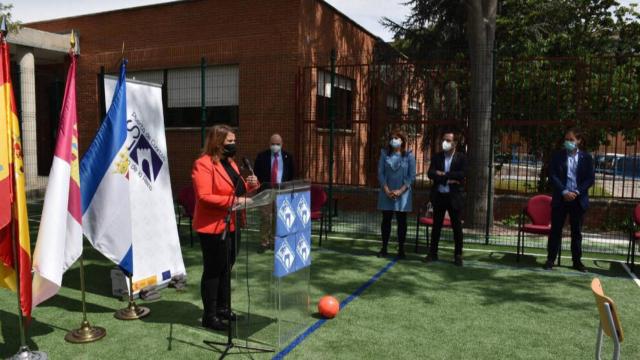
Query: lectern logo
[(302, 248), (286, 214), (303, 211), (285, 255)]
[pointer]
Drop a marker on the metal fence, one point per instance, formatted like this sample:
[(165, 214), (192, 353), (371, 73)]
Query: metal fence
[(335, 118), (535, 100)]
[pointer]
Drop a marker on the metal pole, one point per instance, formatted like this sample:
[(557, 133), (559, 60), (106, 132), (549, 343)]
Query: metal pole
[(82, 289), (103, 109), (203, 106), (332, 124), (16, 262), (487, 228)]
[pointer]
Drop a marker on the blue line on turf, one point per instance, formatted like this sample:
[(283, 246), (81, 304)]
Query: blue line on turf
[(297, 341)]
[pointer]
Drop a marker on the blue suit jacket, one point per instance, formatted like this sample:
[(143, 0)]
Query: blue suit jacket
[(585, 177)]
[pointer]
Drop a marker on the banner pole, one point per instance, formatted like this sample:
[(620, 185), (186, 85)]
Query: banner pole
[(85, 333), (133, 311)]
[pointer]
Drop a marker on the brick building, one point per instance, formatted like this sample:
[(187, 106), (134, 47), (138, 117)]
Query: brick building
[(254, 53)]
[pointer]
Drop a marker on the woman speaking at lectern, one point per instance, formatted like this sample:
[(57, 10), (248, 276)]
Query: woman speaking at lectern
[(215, 175)]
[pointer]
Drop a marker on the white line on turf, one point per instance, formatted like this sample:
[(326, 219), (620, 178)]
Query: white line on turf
[(631, 274)]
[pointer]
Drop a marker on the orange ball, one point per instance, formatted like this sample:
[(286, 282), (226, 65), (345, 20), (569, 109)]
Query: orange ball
[(328, 307)]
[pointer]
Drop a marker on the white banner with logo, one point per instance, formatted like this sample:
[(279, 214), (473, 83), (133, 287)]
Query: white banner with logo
[(156, 246)]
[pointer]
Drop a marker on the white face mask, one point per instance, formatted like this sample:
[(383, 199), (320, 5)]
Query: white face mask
[(395, 143), (275, 148), (446, 145)]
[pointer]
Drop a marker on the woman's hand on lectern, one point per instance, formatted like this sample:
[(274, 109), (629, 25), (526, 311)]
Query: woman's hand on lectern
[(243, 201), (252, 180)]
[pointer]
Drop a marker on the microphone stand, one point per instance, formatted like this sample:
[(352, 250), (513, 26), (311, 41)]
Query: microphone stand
[(228, 345)]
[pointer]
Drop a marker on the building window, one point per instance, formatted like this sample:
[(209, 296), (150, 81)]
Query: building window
[(414, 109), (182, 97), (393, 104), (343, 95)]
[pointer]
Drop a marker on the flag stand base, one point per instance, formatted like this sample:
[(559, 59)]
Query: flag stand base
[(25, 354), (85, 334), (132, 312)]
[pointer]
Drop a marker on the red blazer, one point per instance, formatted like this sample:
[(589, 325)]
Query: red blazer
[(214, 194)]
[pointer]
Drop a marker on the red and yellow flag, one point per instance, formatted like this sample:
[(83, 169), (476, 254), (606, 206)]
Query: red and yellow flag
[(13, 201)]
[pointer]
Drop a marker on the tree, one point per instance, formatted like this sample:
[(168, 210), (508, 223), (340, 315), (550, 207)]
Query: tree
[(5, 11), (445, 24), (585, 30)]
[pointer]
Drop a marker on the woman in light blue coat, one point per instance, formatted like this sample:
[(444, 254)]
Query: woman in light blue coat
[(396, 174)]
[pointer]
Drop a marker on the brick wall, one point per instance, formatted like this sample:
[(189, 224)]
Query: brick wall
[(268, 40)]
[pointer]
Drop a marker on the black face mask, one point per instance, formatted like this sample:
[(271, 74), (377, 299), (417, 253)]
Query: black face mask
[(229, 150)]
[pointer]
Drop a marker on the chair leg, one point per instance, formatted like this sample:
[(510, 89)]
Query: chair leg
[(191, 231), (321, 230), (599, 342), (633, 253), (417, 231), (629, 248), (427, 236), (518, 246)]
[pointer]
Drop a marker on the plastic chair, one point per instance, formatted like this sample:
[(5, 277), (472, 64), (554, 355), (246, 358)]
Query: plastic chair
[(187, 200), (609, 322), (634, 236), (318, 202), (425, 218), (538, 210)]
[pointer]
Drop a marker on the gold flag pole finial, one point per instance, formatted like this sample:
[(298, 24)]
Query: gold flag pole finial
[(72, 40)]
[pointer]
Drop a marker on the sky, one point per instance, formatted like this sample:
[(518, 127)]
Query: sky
[(365, 12)]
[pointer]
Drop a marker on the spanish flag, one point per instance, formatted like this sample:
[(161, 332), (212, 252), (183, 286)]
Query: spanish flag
[(15, 252)]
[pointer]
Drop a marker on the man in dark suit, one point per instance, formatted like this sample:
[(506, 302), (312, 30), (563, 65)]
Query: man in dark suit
[(272, 167), (447, 170), (571, 174)]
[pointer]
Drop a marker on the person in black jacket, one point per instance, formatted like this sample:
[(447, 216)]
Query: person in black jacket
[(272, 167), (447, 170), (571, 174)]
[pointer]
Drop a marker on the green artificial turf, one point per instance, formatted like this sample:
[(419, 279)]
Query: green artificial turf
[(492, 308)]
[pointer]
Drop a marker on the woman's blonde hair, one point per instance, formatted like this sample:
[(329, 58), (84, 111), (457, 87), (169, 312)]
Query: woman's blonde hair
[(214, 144)]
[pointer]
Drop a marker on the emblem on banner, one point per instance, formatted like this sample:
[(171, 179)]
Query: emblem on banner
[(302, 248), (285, 255), (303, 211), (286, 214)]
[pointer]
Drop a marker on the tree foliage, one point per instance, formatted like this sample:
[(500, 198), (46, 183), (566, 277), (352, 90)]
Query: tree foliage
[(5, 11), (559, 63)]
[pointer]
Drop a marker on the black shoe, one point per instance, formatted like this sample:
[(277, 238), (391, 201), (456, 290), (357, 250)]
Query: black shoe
[(548, 265), (226, 314), (214, 323), (457, 260), (261, 250), (382, 253), (430, 258), (579, 266), (401, 255)]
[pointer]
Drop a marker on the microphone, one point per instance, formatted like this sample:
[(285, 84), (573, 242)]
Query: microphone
[(247, 164)]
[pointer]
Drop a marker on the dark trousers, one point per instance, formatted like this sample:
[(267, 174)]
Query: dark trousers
[(441, 204), (385, 228), (558, 216), (215, 284)]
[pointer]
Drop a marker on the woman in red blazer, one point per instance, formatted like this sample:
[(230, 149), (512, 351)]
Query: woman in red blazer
[(214, 175)]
